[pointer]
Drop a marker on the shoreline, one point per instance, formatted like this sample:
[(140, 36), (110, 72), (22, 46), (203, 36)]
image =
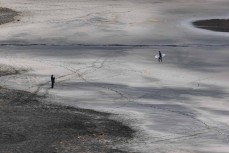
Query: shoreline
[(28, 124), (7, 15)]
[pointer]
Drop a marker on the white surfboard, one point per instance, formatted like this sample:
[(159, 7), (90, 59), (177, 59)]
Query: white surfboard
[(157, 56)]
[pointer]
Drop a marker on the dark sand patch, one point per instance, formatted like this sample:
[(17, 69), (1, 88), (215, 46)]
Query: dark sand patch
[(7, 15), (30, 125), (219, 25), (9, 70)]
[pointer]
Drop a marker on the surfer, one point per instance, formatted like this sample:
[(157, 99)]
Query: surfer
[(160, 56)]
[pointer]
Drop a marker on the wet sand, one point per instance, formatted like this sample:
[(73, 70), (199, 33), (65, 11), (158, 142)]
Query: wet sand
[(219, 25), (7, 15), (180, 105), (30, 125)]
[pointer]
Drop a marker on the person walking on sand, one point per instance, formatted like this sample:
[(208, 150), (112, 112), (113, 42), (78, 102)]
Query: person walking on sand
[(160, 56), (52, 80)]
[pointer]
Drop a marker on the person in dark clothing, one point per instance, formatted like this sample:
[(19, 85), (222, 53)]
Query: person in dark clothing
[(52, 80), (160, 56)]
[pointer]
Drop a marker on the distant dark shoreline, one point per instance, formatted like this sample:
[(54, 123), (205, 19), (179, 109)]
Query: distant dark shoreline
[(7, 15), (218, 25)]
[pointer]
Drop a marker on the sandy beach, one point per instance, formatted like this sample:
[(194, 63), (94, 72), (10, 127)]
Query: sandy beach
[(110, 91), (31, 124)]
